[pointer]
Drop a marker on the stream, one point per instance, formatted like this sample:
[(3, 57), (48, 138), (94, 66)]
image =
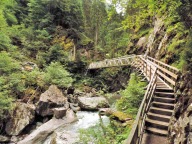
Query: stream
[(70, 134)]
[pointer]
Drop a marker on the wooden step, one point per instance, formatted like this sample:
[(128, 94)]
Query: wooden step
[(163, 105), (156, 131), (164, 99), (165, 94), (163, 90), (159, 117), (161, 87), (156, 124), (161, 111)]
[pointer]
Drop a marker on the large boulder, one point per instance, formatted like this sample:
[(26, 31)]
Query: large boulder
[(50, 99), (92, 103), (22, 116), (39, 135)]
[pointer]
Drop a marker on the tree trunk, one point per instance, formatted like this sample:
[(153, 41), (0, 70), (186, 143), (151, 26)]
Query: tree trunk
[(74, 52)]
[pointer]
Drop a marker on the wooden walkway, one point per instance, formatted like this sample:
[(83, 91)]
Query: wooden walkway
[(156, 109)]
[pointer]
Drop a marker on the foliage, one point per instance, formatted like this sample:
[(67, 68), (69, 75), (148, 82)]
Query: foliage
[(56, 74), (7, 64), (100, 134), (5, 103), (132, 95)]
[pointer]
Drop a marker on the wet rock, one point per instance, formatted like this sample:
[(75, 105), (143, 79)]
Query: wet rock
[(4, 139), (23, 115), (50, 99), (60, 112), (92, 103), (39, 135)]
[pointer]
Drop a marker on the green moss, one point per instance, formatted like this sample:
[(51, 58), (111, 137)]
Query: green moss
[(176, 44)]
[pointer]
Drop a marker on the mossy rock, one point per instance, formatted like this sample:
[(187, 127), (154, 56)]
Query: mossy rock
[(120, 116)]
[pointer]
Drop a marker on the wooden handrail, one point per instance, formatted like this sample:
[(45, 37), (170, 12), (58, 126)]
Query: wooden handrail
[(135, 136), (164, 64), (152, 69)]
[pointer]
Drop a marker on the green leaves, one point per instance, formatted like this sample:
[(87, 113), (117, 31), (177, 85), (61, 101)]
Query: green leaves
[(7, 64), (5, 103), (56, 74), (132, 95)]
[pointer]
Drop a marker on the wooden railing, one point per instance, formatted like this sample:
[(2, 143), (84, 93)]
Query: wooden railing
[(145, 63), (121, 61), (166, 72), (153, 70), (136, 134)]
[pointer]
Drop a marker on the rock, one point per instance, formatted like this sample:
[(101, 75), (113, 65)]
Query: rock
[(114, 114), (70, 90), (39, 135), (92, 103), (60, 112), (190, 123), (14, 139), (38, 124), (66, 137), (50, 99), (4, 139), (189, 138), (23, 115), (142, 42), (74, 107), (28, 66)]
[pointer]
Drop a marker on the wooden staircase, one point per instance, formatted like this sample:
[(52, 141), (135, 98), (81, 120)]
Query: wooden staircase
[(160, 111), (157, 107)]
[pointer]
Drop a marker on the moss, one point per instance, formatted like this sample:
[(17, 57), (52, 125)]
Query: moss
[(120, 115)]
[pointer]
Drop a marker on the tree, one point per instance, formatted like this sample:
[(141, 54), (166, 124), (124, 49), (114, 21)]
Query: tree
[(56, 74)]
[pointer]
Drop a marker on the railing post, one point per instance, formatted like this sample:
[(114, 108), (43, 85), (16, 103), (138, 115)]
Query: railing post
[(146, 69), (150, 72)]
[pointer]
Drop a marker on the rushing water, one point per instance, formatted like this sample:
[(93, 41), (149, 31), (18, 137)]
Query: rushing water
[(70, 134)]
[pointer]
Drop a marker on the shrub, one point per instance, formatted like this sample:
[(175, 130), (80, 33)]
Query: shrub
[(56, 74), (5, 103), (132, 95), (7, 64)]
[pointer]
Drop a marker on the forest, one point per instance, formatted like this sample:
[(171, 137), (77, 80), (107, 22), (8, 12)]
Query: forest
[(51, 42)]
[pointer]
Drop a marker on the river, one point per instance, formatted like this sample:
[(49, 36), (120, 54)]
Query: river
[(70, 134)]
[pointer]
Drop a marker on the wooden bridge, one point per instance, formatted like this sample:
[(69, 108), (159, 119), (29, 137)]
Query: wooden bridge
[(153, 117)]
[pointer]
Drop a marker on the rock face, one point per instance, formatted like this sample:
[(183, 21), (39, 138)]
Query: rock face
[(92, 103), (181, 124), (50, 99), (23, 115), (39, 135)]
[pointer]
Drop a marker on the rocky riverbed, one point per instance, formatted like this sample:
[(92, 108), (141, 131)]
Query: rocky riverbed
[(55, 118)]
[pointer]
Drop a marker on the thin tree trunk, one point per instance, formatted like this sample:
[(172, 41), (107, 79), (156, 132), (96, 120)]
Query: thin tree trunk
[(96, 36), (74, 52)]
